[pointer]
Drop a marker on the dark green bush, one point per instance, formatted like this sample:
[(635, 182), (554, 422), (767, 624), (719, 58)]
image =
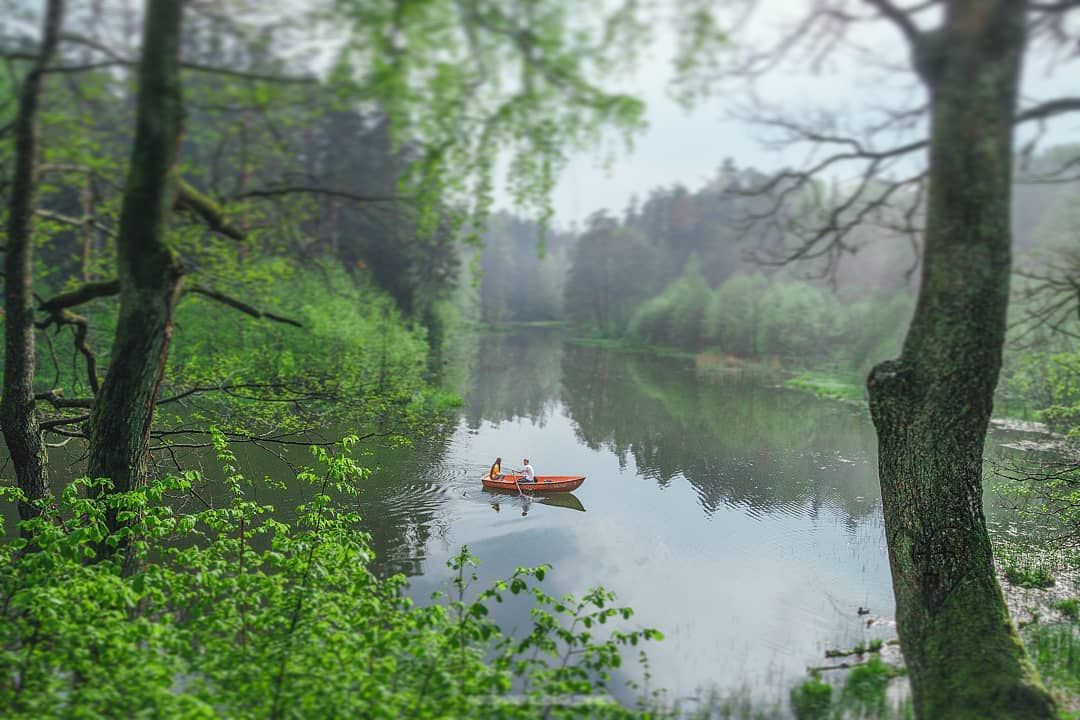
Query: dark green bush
[(812, 699), (1029, 577)]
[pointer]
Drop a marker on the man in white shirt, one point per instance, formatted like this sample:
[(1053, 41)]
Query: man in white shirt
[(527, 471)]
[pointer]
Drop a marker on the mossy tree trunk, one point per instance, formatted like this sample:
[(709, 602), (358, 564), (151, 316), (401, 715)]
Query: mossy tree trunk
[(931, 407), (18, 409), (149, 271)]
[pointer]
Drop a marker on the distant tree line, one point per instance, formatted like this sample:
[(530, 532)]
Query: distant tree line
[(687, 269)]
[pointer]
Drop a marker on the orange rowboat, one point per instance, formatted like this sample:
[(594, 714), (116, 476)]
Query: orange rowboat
[(544, 483)]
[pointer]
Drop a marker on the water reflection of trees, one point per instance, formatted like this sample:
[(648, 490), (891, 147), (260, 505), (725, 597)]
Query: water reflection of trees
[(515, 375), (400, 504), (737, 443)]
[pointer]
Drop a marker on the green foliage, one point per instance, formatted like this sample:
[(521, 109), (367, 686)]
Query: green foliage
[(732, 319), (356, 359), (864, 692), (872, 330), (751, 316), (1036, 577), (1055, 650), (826, 386), (798, 320), (1068, 607), (1046, 380), (812, 699), (472, 80), (1047, 500), (228, 612), (675, 317), (364, 284)]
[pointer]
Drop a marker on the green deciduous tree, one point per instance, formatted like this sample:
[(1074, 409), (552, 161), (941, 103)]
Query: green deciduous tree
[(732, 320), (675, 316), (609, 275)]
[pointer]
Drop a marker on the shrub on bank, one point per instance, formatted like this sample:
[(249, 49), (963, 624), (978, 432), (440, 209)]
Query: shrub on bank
[(675, 316), (231, 612), (749, 315)]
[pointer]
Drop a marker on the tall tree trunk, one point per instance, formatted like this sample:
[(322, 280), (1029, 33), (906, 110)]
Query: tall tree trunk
[(18, 411), (931, 407), (150, 273)]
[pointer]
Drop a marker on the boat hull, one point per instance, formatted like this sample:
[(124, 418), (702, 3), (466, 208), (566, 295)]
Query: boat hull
[(543, 484)]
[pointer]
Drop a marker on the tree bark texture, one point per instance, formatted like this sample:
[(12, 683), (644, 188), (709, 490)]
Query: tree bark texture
[(18, 410), (149, 272), (931, 407)]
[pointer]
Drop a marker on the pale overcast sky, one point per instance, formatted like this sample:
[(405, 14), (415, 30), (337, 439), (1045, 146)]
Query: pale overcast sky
[(687, 147)]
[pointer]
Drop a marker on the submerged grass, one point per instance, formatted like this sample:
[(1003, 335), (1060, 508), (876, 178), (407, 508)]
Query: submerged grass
[(1055, 650)]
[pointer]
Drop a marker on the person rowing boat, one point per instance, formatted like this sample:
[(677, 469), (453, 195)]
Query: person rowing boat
[(527, 471), (529, 476)]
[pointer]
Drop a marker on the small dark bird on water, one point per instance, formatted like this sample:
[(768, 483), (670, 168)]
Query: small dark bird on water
[(863, 611)]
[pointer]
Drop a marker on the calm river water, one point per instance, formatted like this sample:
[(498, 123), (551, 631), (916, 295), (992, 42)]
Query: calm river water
[(740, 518)]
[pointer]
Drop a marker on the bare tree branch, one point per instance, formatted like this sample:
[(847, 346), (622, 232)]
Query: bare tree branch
[(81, 327), (79, 222), (311, 190), (239, 305), (57, 400), (901, 18), (80, 295), (114, 58), (190, 199)]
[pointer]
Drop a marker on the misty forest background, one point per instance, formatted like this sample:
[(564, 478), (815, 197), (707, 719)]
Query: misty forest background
[(685, 269)]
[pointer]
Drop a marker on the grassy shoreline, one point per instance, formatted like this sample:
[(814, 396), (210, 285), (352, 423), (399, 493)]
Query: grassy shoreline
[(831, 387)]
